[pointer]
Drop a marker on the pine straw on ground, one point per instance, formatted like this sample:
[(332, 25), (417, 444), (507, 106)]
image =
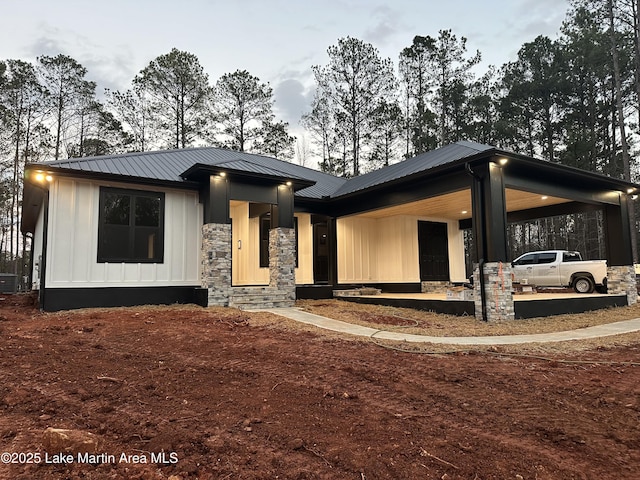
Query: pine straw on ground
[(436, 324)]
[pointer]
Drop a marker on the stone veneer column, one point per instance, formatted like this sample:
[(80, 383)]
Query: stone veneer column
[(282, 262), (622, 280), (216, 262), (498, 288)]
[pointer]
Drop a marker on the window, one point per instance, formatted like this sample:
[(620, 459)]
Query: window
[(571, 257), (546, 258), (265, 225), (527, 260), (131, 226)]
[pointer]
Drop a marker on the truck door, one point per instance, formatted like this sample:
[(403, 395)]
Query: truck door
[(523, 268), (546, 271)]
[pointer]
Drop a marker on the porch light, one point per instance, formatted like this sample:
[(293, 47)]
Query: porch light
[(223, 174), (634, 197), (42, 177), (503, 161), (631, 190), (544, 197), (464, 212), (288, 184)]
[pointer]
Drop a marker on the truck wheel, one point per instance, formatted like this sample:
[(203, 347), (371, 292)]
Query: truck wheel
[(583, 285)]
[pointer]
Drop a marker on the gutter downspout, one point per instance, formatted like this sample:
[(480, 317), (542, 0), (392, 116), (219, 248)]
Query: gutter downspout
[(481, 261)]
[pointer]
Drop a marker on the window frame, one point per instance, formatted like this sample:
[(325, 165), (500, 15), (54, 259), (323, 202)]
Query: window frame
[(133, 194)]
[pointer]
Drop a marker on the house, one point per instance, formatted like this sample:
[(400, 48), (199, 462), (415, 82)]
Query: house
[(221, 227)]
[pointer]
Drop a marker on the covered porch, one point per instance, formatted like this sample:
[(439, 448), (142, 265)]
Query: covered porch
[(407, 237)]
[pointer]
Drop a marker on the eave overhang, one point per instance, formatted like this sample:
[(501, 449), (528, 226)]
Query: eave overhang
[(200, 173)]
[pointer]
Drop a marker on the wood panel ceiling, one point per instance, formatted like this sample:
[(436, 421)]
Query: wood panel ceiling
[(457, 205)]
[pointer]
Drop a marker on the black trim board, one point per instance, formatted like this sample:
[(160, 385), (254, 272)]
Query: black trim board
[(561, 306), (72, 298), (458, 307), (323, 292)]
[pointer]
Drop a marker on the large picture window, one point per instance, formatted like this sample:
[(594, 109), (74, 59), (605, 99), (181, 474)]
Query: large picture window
[(131, 226)]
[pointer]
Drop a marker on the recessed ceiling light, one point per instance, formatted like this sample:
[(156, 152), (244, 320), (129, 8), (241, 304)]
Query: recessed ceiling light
[(464, 212), (544, 197)]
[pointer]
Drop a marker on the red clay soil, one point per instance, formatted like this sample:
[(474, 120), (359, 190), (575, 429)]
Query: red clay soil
[(225, 397)]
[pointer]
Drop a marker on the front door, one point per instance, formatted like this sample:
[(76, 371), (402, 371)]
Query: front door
[(433, 250), (320, 253)]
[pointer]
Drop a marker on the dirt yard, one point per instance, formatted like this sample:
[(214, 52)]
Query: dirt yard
[(235, 395)]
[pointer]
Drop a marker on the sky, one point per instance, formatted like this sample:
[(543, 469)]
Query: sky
[(276, 40)]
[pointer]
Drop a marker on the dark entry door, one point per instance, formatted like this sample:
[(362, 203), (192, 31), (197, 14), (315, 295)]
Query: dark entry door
[(320, 253), (433, 249)]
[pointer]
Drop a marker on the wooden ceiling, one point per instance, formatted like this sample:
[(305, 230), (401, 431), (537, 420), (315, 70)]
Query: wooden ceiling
[(457, 205)]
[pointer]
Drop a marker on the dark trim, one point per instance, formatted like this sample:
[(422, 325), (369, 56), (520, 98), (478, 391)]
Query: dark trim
[(488, 205), (200, 171), (42, 265), (391, 194), (33, 197), (618, 233), (314, 292), (459, 307), (540, 212), (326, 291), (561, 306), (216, 204), (112, 177), (71, 298), (523, 309), (251, 192), (539, 176), (284, 215)]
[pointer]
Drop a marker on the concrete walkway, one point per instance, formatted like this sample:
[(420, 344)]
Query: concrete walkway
[(616, 328)]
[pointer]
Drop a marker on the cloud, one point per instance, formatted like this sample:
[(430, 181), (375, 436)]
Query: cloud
[(544, 17), (292, 100), (387, 25), (110, 67)]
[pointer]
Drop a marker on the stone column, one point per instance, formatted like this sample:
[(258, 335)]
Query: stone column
[(216, 262), (621, 280), (498, 291), (282, 262)]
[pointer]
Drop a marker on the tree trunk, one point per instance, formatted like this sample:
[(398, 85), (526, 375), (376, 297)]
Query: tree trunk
[(626, 160)]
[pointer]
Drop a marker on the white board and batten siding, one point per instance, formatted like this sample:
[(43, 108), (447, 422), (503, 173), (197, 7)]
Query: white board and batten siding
[(73, 240), (385, 249)]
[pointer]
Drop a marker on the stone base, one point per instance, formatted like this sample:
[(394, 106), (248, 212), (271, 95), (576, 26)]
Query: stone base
[(621, 280), (282, 261), (216, 262), (434, 286), (498, 294), (248, 298)]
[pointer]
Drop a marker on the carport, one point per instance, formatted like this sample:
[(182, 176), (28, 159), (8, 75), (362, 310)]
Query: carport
[(481, 188)]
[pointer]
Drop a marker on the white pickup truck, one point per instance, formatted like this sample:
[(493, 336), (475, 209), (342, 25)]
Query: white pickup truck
[(560, 268)]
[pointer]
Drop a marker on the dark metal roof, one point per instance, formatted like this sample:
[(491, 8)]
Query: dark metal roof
[(174, 166), (421, 163), (169, 165)]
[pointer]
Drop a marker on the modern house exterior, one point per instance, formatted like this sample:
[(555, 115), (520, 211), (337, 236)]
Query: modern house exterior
[(221, 227)]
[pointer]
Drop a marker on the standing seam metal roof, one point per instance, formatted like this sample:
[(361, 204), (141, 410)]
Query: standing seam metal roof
[(168, 165)]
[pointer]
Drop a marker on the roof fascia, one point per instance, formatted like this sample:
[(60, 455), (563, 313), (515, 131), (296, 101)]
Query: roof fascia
[(201, 171), (110, 177)]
